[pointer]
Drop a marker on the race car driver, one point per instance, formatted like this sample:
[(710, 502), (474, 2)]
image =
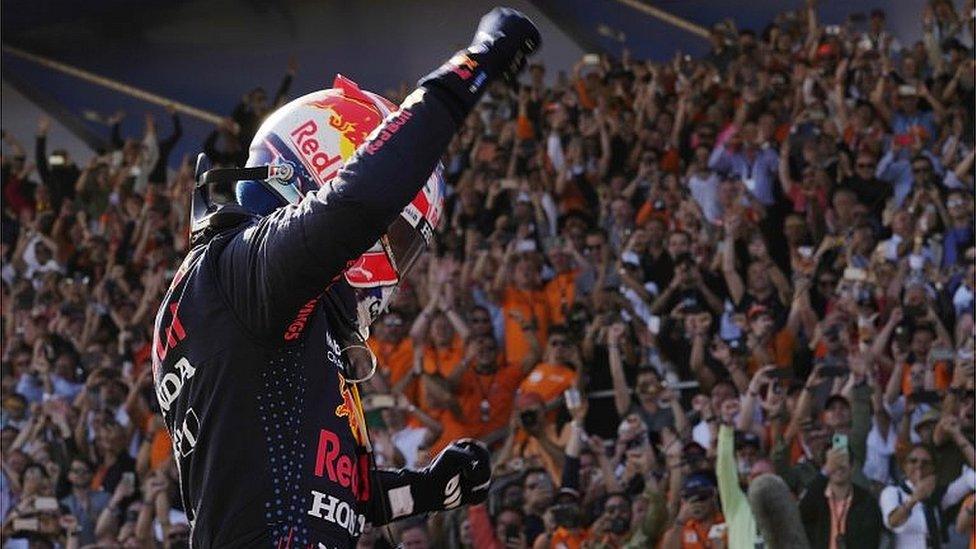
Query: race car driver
[(251, 352)]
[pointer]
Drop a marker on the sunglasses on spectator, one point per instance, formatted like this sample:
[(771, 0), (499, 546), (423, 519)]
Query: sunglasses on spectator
[(701, 494), (828, 282), (921, 168), (480, 320), (560, 342), (865, 165), (539, 484)]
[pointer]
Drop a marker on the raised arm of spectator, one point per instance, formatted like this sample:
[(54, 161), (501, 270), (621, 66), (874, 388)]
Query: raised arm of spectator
[(621, 392), (877, 98), (938, 109), (880, 342), (964, 68), (802, 318), (838, 93), (421, 324), (719, 159), (893, 388), (699, 343), (785, 181), (446, 305), (965, 165), (605, 149), (40, 149), (950, 430), (803, 405), (174, 135), (727, 474), (571, 466), (860, 407), (150, 146), (282, 94), (497, 291), (751, 397), (733, 280), (677, 127)]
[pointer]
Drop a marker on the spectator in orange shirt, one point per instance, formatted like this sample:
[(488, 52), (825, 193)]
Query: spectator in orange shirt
[(560, 290), (559, 370), (521, 298), (394, 355), (767, 344), (485, 383), (699, 523)]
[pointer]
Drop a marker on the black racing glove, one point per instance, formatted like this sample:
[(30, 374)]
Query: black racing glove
[(504, 39), (461, 473)]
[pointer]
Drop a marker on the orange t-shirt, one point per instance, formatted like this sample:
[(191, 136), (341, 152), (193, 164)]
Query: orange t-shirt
[(940, 372), (533, 305), (548, 380), (694, 535), (780, 348), (397, 360), (560, 294), (443, 360), (498, 389), (452, 429), (160, 449)]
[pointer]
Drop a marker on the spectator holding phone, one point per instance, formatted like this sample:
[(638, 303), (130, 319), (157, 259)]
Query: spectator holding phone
[(85, 504), (836, 512)]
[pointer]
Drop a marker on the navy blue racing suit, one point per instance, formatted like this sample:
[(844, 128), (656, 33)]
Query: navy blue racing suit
[(247, 344), (247, 358)]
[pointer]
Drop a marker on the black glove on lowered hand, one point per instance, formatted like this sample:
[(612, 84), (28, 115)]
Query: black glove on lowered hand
[(461, 473)]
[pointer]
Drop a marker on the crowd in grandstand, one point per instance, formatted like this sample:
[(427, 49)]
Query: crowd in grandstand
[(655, 281)]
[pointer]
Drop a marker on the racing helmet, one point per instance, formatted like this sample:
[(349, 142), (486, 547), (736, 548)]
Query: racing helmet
[(304, 144)]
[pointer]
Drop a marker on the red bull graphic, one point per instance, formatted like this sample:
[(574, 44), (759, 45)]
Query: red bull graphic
[(350, 411), (345, 470)]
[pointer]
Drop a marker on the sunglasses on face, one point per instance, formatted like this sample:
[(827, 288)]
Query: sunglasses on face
[(560, 343), (865, 165), (541, 484), (921, 169), (480, 320), (699, 495)]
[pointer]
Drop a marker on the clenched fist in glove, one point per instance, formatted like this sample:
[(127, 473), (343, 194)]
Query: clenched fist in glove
[(505, 37), (461, 473)]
